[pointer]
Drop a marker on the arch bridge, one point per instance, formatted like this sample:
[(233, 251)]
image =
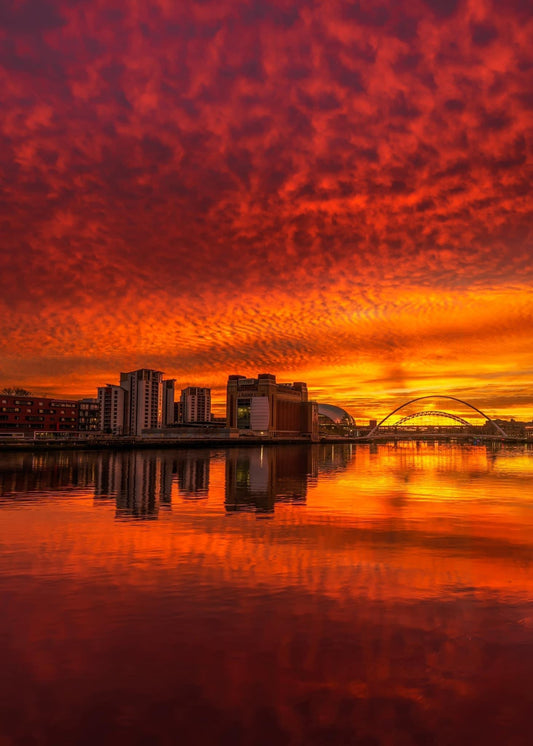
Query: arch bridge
[(432, 413), (463, 428)]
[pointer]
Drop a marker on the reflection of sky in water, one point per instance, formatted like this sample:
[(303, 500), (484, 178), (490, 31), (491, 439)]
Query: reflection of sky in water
[(389, 598)]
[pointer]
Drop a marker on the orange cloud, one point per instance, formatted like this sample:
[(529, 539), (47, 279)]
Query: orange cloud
[(338, 190)]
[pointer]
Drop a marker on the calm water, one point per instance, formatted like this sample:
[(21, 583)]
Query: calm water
[(291, 595)]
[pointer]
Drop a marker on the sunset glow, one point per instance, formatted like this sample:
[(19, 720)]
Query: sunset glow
[(334, 192)]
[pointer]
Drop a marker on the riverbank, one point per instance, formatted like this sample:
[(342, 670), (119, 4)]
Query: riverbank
[(126, 443)]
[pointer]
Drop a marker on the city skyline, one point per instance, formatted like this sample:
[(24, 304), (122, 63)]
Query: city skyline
[(338, 193), (125, 408)]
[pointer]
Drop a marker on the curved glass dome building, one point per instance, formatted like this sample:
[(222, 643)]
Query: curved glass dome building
[(334, 419)]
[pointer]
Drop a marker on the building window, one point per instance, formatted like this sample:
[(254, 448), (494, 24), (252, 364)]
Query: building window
[(243, 414)]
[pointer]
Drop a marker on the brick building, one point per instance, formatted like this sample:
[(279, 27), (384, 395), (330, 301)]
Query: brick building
[(89, 415), (261, 405), (29, 414)]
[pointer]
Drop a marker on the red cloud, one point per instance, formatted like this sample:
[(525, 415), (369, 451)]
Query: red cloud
[(163, 160)]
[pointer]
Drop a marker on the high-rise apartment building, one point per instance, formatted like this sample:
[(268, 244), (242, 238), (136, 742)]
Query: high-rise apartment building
[(195, 404), (169, 417), (145, 399), (113, 406)]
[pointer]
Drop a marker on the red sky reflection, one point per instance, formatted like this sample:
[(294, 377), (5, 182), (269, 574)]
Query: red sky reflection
[(332, 191), (390, 604)]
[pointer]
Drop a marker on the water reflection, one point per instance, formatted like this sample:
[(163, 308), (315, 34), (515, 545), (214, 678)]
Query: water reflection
[(193, 475), (257, 478), (144, 485), (389, 601), (143, 482), (140, 486), (23, 473), (335, 457)]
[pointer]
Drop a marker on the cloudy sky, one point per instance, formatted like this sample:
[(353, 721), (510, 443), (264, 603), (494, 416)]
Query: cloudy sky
[(331, 191)]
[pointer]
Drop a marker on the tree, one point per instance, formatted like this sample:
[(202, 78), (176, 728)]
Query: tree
[(15, 391)]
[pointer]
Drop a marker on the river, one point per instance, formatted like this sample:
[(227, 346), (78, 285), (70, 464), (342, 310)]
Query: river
[(329, 595)]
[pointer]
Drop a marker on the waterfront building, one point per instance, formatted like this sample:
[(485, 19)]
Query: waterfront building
[(30, 414), (112, 402), (195, 404), (169, 417), (261, 405), (333, 420), (145, 399), (89, 415)]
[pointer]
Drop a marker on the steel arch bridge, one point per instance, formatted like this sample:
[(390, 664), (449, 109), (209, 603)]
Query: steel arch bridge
[(432, 413), (374, 432)]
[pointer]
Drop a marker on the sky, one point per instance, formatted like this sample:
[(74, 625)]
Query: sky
[(335, 192)]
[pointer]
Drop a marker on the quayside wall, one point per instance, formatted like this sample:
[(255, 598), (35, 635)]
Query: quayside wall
[(131, 443)]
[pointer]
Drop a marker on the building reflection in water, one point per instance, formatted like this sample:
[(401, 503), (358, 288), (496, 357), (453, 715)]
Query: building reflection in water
[(108, 475), (257, 478), (193, 476), (140, 483), (335, 457), (398, 600), (145, 485), (27, 473)]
